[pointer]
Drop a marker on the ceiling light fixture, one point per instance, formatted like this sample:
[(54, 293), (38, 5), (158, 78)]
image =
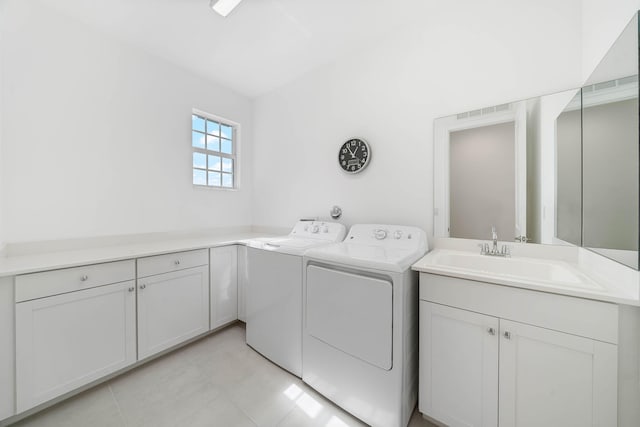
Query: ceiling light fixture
[(223, 7)]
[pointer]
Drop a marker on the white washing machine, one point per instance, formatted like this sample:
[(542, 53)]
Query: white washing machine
[(360, 332), (274, 290)]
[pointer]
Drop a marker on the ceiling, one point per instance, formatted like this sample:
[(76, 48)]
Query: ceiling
[(260, 46)]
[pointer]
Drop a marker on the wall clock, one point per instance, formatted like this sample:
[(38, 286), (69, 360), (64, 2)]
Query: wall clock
[(354, 155)]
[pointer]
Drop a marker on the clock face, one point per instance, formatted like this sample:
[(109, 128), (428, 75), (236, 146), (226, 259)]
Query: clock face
[(354, 155)]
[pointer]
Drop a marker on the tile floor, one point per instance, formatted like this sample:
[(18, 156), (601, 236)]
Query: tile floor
[(216, 381)]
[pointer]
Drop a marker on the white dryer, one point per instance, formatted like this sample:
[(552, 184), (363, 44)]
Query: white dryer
[(360, 332), (274, 290)]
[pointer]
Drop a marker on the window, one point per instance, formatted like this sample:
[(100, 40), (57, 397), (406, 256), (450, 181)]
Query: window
[(214, 151)]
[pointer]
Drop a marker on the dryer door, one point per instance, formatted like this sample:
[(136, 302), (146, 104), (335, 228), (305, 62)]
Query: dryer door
[(351, 312)]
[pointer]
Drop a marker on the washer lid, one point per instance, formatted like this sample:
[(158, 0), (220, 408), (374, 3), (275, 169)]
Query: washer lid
[(305, 235)]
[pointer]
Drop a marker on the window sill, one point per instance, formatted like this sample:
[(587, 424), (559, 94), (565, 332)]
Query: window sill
[(207, 187)]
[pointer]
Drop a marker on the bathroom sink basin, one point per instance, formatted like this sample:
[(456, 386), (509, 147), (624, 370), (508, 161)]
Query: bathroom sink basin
[(531, 270)]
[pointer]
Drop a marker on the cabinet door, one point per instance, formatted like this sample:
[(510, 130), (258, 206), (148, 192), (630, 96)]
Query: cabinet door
[(458, 371), (549, 378), (243, 277), (172, 308), (68, 340), (224, 285), (7, 348)]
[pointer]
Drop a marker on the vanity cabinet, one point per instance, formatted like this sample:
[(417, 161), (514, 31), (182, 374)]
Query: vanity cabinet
[(173, 300), (73, 326), (493, 355), (224, 285)]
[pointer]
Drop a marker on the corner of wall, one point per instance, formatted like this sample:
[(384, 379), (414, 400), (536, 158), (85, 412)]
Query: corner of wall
[(602, 22)]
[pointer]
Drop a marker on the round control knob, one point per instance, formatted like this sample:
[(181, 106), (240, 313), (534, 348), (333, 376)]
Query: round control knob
[(315, 229), (397, 235), (380, 234)]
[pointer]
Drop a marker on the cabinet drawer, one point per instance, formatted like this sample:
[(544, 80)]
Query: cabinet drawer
[(588, 318), (54, 282), (171, 262)]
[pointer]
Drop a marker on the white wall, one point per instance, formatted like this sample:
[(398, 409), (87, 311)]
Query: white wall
[(96, 135), (464, 56), (2, 13), (602, 23), (75, 80)]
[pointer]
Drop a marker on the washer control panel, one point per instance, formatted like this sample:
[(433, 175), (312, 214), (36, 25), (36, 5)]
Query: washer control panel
[(325, 230)]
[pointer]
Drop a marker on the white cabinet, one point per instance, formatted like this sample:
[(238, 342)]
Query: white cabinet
[(458, 373), (7, 348), (243, 278), (552, 378), (224, 285), (479, 368), (76, 325), (172, 306), (65, 341)]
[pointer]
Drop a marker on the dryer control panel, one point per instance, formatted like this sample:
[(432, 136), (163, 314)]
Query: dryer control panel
[(397, 236), (322, 230)]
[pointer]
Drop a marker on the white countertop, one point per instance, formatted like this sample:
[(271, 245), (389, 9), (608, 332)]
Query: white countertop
[(29, 263), (563, 275)]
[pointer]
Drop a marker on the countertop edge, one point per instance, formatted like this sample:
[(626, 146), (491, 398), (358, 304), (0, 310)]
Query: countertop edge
[(25, 264)]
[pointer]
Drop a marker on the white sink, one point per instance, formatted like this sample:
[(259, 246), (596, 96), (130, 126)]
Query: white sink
[(532, 270)]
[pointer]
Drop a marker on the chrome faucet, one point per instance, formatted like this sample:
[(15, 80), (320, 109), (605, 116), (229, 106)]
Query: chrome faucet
[(494, 251)]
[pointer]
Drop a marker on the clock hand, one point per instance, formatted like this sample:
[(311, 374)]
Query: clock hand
[(350, 152)]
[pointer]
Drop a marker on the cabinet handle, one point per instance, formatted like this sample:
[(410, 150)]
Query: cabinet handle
[(491, 331), (84, 278), (131, 289), (143, 286), (177, 262), (507, 335)]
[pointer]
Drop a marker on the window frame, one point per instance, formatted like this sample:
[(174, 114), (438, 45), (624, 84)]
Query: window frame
[(234, 156)]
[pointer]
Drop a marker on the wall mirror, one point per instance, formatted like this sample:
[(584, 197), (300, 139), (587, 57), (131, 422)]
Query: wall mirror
[(610, 156), (497, 167), (555, 169)]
